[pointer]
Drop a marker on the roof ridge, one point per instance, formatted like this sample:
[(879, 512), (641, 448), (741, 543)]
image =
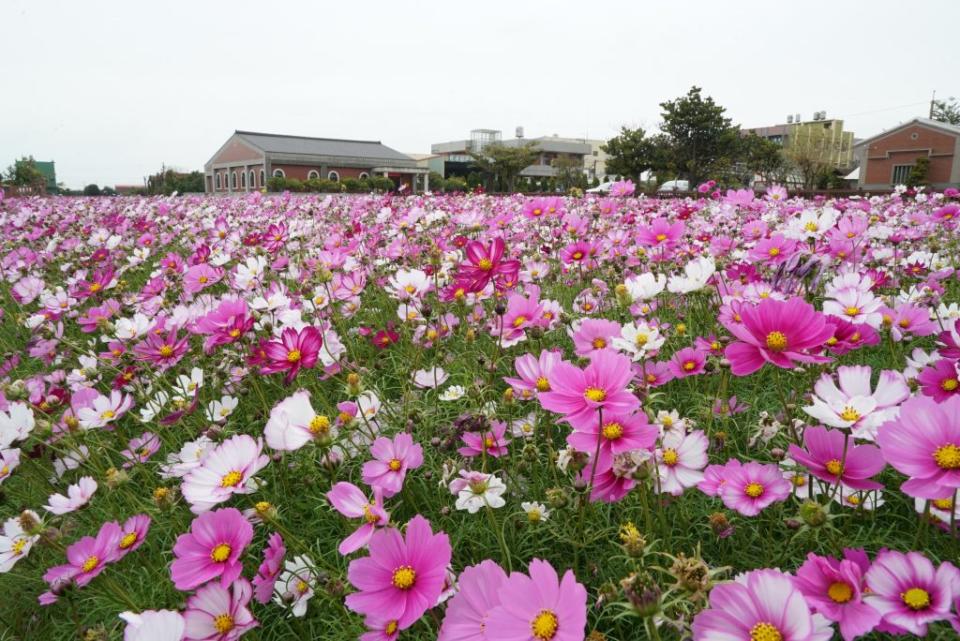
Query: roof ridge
[(261, 133)]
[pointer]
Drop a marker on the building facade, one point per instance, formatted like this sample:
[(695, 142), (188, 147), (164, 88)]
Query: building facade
[(247, 160), (888, 158), (826, 138), (457, 160)]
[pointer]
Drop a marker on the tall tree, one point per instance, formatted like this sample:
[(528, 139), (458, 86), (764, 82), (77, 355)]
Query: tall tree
[(701, 136), (763, 158), (23, 172), (569, 172), (947, 111), (631, 153), (502, 164)]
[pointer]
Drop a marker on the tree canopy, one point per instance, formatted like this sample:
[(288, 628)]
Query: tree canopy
[(502, 164)]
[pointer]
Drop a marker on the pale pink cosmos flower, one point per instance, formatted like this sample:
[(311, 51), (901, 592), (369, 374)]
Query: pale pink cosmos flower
[(534, 374), (430, 378), (227, 470), (215, 613), (853, 404), (680, 461), (104, 410), (293, 423), (350, 501), (78, 494), (153, 625), (391, 461)]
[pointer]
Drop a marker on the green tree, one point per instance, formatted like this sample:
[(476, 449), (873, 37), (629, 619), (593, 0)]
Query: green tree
[(631, 153), (763, 158), (701, 137), (167, 181), (24, 172), (947, 111), (569, 172), (91, 190), (919, 174), (502, 164)]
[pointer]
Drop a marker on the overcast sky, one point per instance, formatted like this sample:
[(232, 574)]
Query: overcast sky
[(111, 90)]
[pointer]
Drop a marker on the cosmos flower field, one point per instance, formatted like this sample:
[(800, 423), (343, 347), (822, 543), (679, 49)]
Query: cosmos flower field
[(471, 417)]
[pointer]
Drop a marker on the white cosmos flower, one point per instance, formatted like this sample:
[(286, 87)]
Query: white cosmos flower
[(220, 411), (295, 585), (476, 490), (153, 625), (190, 456), (695, 276), (15, 544), (430, 378), (645, 286), (15, 424), (854, 404), (453, 393), (638, 339), (77, 496), (128, 329), (293, 423), (535, 511)]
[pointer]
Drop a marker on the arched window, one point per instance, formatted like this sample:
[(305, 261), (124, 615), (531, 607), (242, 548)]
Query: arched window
[(219, 186), (334, 176), (243, 179), (278, 173), (313, 174), (253, 179), (364, 175), (263, 178), (233, 180)]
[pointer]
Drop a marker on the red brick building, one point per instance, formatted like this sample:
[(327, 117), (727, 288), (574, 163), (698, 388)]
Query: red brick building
[(887, 158), (248, 159)]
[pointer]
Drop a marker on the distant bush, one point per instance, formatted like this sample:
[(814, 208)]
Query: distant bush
[(322, 185), (455, 184)]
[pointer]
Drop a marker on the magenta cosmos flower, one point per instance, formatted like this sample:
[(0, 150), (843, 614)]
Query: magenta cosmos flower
[(594, 334), (832, 456), (909, 592), (162, 350), (778, 332), (468, 610), (269, 569), (217, 614), (534, 373), (485, 263), (539, 607), (580, 394), (292, 351), (835, 589), (763, 605), (492, 442), (211, 549), (941, 380), (403, 577), (687, 362), (88, 557), (619, 433), (391, 460), (924, 444), (350, 501), (753, 486)]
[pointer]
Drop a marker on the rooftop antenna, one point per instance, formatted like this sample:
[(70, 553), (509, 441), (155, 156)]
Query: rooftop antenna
[(933, 100)]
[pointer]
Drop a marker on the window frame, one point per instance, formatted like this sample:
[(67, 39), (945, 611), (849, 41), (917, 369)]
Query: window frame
[(906, 169), (279, 173), (333, 175), (313, 174)]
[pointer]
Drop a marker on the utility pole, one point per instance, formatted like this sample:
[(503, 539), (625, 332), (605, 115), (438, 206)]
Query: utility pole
[(932, 102)]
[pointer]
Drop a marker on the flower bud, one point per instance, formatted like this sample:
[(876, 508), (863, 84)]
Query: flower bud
[(642, 593), (813, 513)]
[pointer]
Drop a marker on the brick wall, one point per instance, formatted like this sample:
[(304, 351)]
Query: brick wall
[(904, 147)]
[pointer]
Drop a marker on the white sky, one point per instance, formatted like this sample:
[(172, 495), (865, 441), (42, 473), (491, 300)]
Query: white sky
[(110, 90)]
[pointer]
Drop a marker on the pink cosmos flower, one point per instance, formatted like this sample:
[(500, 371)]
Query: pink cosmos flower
[(350, 501), (832, 456), (485, 263), (522, 313), (908, 320), (293, 423), (161, 350), (909, 592), (534, 373), (539, 606), (492, 442), (660, 233), (140, 449), (227, 324), (78, 494), (215, 613), (680, 461), (269, 569), (778, 332), (227, 470), (761, 605), (924, 443), (715, 476), (201, 276), (941, 380), (854, 404), (775, 250), (835, 589), (403, 576), (581, 394), (292, 351), (153, 625), (133, 534), (619, 433), (594, 334), (211, 549), (753, 486), (469, 609), (391, 461), (687, 362), (87, 558), (102, 411)]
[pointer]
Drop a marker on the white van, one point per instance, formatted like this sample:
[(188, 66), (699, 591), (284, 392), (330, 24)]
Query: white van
[(674, 185)]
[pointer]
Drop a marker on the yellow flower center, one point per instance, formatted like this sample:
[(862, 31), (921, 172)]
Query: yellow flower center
[(916, 598), (302, 586), (850, 414), (612, 431), (943, 504), (519, 320), (577, 255), (853, 499), (753, 490), (641, 340), (394, 465), (811, 226), (949, 384), (904, 323), (166, 351), (95, 287), (670, 457), (776, 341), (203, 279), (764, 631), (129, 539), (17, 547), (262, 506), (368, 514), (661, 238), (774, 251), (599, 343), (947, 457), (234, 333), (544, 625), (319, 424), (293, 356), (689, 365), (404, 577), (543, 385), (390, 628), (840, 592), (107, 414), (852, 311), (714, 345), (220, 553), (90, 563), (834, 466), (485, 264), (799, 480), (410, 289), (595, 394), (230, 479), (223, 623)]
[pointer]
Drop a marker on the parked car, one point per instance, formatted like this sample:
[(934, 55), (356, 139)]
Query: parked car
[(602, 188), (674, 185)]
